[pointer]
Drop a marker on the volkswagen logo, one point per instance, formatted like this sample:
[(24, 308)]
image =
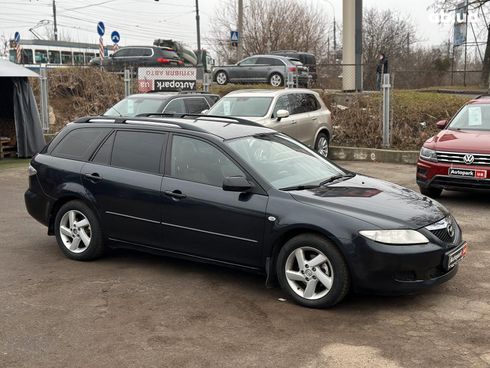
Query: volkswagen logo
[(469, 159), (450, 230)]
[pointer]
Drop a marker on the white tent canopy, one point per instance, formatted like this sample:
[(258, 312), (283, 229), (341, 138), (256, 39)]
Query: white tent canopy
[(9, 69)]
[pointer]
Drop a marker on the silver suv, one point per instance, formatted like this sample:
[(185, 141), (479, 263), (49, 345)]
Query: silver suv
[(271, 69), (299, 113)]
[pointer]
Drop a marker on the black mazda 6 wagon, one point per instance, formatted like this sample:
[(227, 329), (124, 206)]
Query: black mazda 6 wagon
[(230, 192)]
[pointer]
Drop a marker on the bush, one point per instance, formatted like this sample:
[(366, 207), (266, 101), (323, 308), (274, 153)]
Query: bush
[(414, 118)]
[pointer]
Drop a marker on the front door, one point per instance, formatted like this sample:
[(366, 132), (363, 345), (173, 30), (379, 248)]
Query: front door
[(285, 125), (124, 181), (202, 219)]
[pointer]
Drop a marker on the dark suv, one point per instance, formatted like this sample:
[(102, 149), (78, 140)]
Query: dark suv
[(230, 192), (136, 56), (307, 59)]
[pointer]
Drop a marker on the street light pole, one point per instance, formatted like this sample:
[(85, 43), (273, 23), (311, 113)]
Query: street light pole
[(198, 29), (334, 30), (55, 23), (240, 30)]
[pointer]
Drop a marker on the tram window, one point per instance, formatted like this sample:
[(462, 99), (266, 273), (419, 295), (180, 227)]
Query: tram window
[(41, 56), (27, 56), (54, 57), (66, 57), (89, 56), (78, 58), (13, 56)]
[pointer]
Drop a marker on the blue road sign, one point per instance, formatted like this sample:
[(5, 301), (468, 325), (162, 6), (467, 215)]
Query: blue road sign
[(100, 28), (17, 37), (115, 37), (234, 36)]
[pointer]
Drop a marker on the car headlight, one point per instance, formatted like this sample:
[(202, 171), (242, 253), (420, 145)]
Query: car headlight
[(397, 237), (428, 154)]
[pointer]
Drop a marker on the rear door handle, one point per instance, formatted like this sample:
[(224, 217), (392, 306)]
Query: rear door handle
[(94, 177), (314, 118), (294, 122), (177, 194)]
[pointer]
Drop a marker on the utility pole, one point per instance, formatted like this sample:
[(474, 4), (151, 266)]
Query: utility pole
[(55, 23), (239, 52), (334, 40), (198, 29)]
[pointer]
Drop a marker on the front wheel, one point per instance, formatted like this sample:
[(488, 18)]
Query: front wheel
[(311, 270), (221, 78), (322, 144), (78, 232), (276, 80), (431, 192)]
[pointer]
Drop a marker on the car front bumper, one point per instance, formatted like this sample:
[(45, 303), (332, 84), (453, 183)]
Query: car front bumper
[(395, 269), (435, 175)]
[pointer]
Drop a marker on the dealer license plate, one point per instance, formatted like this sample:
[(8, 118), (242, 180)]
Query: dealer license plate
[(453, 257), (468, 173)]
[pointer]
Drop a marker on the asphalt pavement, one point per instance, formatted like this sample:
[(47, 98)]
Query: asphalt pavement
[(131, 309)]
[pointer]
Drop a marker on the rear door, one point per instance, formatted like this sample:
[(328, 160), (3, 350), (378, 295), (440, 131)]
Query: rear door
[(300, 113), (311, 119), (265, 67), (202, 219), (124, 179)]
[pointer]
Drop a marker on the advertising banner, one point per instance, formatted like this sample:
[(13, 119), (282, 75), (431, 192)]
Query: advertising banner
[(166, 79)]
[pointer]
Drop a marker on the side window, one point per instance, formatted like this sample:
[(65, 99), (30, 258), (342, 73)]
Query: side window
[(196, 105), (249, 61), (176, 106), (270, 61), (79, 143), (103, 155), (140, 151), (66, 57), (145, 52), (121, 53), (282, 104), (312, 103), (54, 57), (297, 102), (200, 162)]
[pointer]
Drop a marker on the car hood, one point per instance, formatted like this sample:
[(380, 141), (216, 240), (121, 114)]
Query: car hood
[(461, 141), (382, 204)]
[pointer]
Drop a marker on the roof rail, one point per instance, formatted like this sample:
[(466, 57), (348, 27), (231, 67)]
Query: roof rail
[(481, 96), (216, 118)]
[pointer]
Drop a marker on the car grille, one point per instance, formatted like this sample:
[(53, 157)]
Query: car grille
[(459, 158), (445, 230)]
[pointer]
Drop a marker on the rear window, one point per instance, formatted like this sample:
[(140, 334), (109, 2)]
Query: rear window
[(270, 61), (167, 54), (79, 143)]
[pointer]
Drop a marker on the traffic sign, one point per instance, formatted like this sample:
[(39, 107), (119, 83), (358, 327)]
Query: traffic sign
[(100, 28), (17, 37), (234, 36), (115, 37)]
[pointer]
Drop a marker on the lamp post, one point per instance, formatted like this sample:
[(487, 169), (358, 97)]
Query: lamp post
[(334, 30)]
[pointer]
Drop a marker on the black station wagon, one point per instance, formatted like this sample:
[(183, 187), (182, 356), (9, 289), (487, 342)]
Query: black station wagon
[(233, 193)]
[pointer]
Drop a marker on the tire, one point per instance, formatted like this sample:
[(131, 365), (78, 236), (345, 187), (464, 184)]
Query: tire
[(330, 280), (431, 192), (322, 144), (221, 78), (276, 80), (78, 232)]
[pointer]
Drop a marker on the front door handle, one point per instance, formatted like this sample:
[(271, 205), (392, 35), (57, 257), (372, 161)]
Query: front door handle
[(93, 177), (294, 122), (177, 194)]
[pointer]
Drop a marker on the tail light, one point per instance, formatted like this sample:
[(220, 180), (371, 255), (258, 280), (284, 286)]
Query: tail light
[(180, 62), (292, 69), (163, 60), (31, 171)]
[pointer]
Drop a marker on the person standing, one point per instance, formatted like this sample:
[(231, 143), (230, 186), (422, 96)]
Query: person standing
[(381, 69)]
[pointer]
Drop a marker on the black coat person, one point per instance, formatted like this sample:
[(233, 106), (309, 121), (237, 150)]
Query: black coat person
[(381, 68)]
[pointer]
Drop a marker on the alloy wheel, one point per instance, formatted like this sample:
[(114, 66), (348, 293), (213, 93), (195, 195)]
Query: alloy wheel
[(322, 146), (75, 231), (221, 78), (276, 80), (309, 273)]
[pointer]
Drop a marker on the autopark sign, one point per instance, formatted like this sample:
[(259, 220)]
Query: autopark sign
[(166, 79)]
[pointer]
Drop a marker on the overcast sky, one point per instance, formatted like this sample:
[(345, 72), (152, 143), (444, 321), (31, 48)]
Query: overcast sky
[(141, 21)]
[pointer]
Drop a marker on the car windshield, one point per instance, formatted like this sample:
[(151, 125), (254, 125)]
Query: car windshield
[(242, 106), (133, 106), (472, 117), (284, 163)]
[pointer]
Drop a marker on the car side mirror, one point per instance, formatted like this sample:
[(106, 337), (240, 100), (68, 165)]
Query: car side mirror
[(236, 184), (441, 124), (281, 114), (204, 112)]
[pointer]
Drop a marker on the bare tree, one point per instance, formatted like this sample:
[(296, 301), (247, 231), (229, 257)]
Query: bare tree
[(271, 25), (473, 5)]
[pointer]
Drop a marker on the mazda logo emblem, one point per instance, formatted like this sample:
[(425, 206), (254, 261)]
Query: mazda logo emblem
[(450, 230), (469, 159)]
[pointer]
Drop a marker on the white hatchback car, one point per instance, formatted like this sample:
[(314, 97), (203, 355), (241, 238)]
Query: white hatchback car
[(299, 113)]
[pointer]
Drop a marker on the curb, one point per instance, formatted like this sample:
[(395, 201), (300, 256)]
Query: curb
[(373, 155)]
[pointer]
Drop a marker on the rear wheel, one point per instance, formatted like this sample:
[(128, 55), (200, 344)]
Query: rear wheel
[(431, 192), (311, 270), (78, 232), (221, 78), (322, 144), (276, 80)]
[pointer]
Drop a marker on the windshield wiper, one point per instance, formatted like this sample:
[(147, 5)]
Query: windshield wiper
[(299, 187), (337, 177)]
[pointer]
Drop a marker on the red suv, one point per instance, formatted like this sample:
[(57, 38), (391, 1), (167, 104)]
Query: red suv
[(458, 158)]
